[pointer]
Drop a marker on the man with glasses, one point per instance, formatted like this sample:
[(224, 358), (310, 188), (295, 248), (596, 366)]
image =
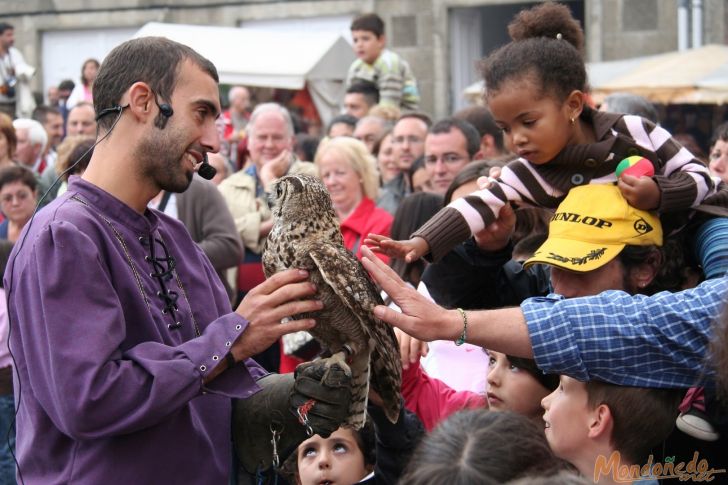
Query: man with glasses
[(450, 145), (408, 144), (408, 138)]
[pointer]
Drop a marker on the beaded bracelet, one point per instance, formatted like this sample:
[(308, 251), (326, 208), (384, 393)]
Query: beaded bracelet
[(464, 335)]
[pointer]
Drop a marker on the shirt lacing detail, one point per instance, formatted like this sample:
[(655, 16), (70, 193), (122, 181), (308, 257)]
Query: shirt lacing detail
[(162, 273), (163, 267)]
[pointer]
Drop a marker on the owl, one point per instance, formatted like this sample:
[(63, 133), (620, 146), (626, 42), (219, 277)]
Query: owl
[(306, 235)]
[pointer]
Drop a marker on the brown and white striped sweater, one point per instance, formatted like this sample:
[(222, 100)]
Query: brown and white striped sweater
[(684, 181)]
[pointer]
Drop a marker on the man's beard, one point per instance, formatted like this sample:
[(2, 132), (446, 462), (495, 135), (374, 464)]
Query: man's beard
[(162, 159)]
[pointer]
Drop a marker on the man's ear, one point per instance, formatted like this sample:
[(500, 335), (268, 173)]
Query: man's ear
[(141, 101), (601, 423)]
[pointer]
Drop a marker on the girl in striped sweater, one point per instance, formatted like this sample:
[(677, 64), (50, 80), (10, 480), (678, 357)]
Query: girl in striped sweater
[(536, 90)]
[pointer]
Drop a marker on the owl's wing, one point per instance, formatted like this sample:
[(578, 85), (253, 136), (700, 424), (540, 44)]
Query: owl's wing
[(351, 283)]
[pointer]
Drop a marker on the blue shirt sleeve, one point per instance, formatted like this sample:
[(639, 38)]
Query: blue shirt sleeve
[(656, 341)]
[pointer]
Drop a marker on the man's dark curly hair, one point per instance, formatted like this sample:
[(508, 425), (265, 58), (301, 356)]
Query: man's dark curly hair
[(547, 46)]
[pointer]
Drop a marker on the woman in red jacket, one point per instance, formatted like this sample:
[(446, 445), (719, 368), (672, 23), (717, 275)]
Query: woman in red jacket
[(349, 173)]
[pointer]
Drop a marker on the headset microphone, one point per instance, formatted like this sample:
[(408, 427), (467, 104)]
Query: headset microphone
[(206, 171)]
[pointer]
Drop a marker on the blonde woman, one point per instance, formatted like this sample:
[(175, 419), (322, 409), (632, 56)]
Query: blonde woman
[(349, 173)]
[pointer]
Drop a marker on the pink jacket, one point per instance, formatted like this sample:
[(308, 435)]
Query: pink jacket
[(431, 399)]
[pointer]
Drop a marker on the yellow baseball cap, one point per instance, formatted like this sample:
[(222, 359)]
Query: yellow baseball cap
[(592, 226)]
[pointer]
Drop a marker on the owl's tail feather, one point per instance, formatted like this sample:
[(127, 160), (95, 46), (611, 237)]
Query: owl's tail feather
[(387, 381)]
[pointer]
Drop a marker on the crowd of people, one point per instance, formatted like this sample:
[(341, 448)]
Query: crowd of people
[(558, 322)]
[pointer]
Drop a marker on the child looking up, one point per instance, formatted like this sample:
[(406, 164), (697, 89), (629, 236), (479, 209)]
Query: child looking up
[(536, 92), (347, 456), (375, 454), (376, 64)]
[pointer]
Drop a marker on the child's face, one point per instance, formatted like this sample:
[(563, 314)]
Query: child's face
[(567, 418), (719, 159), (367, 45), (336, 460), (535, 127), (513, 389)]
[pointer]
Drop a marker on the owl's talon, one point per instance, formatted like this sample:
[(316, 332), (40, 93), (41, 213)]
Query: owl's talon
[(334, 367)]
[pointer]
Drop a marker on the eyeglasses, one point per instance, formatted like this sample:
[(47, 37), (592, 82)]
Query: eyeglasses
[(21, 196), (447, 159), (411, 139)]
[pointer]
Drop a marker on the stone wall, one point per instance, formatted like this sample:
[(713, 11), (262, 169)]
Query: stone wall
[(418, 29)]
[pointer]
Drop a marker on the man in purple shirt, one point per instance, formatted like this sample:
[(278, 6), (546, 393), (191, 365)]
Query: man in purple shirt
[(127, 350)]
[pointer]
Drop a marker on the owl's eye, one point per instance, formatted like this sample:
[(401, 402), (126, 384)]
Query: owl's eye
[(279, 191)]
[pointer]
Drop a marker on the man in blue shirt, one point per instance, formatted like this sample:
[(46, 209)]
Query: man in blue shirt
[(650, 341)]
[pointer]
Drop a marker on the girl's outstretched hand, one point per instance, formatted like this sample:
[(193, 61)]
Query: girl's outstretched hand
[(410, 249)]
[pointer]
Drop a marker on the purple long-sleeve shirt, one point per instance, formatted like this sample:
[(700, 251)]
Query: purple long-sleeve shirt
[(110, 387)]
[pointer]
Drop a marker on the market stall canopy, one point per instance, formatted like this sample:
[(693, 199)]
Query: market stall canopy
[(264, 58), (474, 92), (694, 76)]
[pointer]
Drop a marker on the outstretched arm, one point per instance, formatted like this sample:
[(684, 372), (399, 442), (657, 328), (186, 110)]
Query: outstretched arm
[(503, 330), (593, 337), (409, 250)]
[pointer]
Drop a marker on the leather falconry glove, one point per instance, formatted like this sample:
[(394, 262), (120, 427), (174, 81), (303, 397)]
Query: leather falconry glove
[(269, 425)]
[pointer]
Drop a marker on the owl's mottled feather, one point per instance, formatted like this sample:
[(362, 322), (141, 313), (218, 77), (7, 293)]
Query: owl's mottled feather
[(306, 235)]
